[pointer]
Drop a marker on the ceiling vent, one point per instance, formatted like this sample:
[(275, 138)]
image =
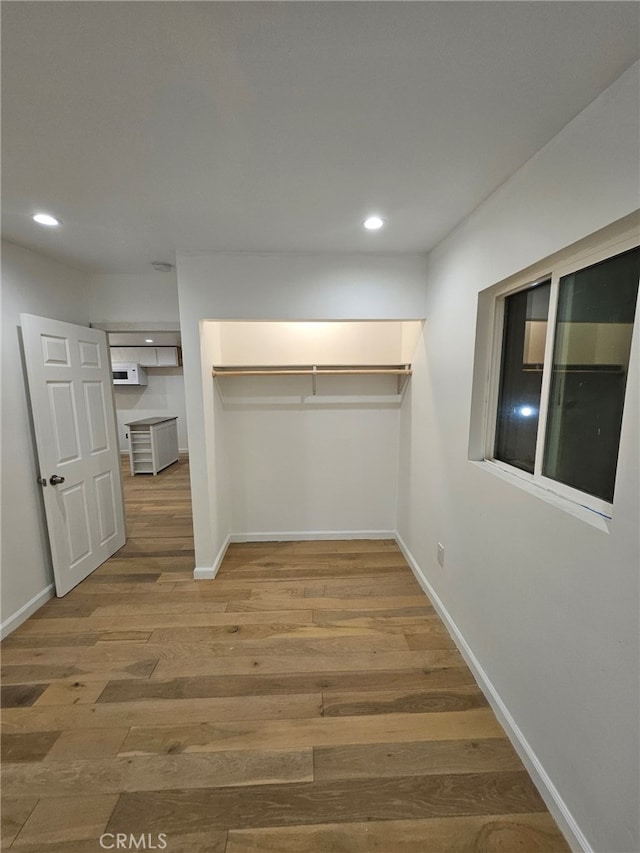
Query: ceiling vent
[(160, 266)]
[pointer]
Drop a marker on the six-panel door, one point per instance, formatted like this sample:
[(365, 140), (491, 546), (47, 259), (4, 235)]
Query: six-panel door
[(70, 387)]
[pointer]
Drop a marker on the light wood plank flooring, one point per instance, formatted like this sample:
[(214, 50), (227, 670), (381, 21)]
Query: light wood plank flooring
[(308, 699)]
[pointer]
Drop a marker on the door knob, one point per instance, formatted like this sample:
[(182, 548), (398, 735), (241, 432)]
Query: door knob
[(55, 480)]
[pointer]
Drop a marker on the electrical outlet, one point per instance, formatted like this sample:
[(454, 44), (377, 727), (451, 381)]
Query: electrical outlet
[(441, 553)]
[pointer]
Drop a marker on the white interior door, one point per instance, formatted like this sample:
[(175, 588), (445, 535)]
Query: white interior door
[(70, 386)]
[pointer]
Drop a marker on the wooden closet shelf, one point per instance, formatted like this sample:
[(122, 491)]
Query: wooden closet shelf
[(309, 370), (402, 371)]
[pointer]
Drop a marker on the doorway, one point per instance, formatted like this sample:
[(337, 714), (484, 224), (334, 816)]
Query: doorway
[(159, 545), (157, 498)]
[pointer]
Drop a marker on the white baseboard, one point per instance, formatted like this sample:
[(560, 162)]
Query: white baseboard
[(209, 572), (307, 535), (548, 791), (25, 611), (201, 573)]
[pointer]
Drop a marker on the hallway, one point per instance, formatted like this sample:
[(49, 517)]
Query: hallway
[(308, 699)]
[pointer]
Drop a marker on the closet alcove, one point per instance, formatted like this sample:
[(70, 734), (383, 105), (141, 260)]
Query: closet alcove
[(306, 418)]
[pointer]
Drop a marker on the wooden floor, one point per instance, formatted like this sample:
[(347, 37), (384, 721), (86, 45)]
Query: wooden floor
[(308, 699)]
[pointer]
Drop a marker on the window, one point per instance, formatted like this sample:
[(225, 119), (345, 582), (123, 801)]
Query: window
[(525, 331), (563, 362)]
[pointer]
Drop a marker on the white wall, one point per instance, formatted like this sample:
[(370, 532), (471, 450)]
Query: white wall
[(143, 301), (135, 298), (547, 603), (226, 489), (374, 342), (299, 465), (31, 284)]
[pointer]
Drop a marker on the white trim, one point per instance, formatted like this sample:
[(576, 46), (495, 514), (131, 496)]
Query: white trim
[(26, 610), (524, 481), (614, 239), (590, 502), (574, 501), (209, 572), (492, 391), (547, 375), (306, 535), (550, 794), (596, 254)]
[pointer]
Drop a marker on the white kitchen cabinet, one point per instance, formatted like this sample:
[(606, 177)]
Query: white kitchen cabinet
[(147, 356), (167, 356), (132, 355), (153, 444)]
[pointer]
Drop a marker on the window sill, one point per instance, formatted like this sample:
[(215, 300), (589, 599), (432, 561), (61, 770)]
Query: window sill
[(579, 511)]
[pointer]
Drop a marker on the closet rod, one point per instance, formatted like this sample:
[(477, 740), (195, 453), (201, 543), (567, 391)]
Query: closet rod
[(391, 370), (402, 371)]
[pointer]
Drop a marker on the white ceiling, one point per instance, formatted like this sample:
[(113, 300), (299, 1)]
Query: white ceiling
[(151, 127)]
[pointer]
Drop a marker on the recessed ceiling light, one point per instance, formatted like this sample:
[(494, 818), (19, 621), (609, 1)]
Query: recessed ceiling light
[(148, 340), (372, 223), (46, 219)]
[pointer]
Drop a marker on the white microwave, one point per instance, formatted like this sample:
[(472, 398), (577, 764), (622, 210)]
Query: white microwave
[(127, 373)]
